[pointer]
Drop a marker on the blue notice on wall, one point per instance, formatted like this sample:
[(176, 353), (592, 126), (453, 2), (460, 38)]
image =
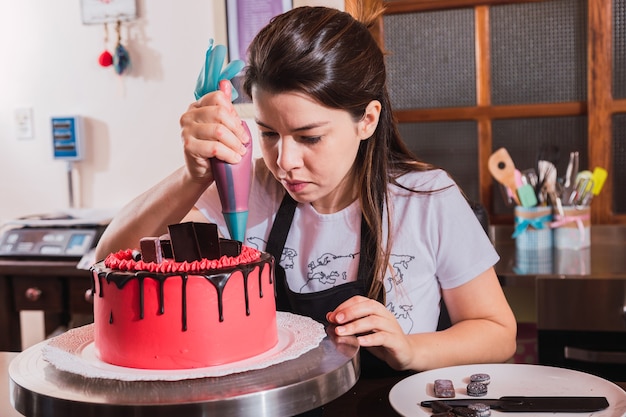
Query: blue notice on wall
[(67, 138)]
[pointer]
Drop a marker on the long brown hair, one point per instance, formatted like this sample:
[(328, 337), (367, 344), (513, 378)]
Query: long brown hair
[(333, 58)]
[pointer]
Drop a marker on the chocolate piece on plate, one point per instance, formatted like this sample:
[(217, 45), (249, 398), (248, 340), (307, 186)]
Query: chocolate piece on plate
[(444, 388), (440, 407), (464, 412), (476, 389), (482, 410), (483, 378)]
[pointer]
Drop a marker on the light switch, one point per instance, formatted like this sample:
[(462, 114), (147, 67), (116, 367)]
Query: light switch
[(24, 123)]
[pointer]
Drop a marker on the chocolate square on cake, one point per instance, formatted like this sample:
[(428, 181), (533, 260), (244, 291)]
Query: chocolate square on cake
[(166, 247), (151, 249), (230, 247), (194, 241)]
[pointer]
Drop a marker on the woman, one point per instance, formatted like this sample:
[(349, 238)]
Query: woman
[(369, 238)]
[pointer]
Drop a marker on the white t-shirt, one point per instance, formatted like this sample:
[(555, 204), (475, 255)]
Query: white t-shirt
[(437, 242)]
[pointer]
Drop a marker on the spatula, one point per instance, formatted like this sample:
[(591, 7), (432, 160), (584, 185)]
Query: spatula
[(502, 168)]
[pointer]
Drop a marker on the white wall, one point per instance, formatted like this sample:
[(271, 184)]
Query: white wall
[(48, 62)]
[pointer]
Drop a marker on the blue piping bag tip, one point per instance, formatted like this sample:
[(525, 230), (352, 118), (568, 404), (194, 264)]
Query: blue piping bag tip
[(236, 223)]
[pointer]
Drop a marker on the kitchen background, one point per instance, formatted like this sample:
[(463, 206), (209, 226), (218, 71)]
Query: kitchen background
[(49, 67)]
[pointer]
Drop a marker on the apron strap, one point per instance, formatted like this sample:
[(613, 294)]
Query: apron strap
[(280, 228), (276, 244)]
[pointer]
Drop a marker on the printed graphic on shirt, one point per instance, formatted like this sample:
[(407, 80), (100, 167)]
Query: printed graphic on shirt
[(329, 270), (326, 270), (393, 284), (286, 258)]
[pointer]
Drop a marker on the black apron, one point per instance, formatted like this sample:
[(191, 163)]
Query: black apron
[(316, 305)]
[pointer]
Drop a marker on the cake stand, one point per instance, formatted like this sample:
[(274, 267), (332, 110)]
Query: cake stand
[(38, 389)]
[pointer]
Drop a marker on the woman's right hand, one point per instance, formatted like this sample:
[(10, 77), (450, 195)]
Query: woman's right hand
[(211, 128)]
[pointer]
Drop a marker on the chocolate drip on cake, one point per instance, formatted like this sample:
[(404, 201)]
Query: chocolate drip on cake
[(186, 242), (219, 282), (184, 279), (218, 278), (161, 297), (141, 297), (245, 292)]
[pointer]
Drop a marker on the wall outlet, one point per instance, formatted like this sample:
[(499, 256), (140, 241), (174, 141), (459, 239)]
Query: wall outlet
[(24, 123)]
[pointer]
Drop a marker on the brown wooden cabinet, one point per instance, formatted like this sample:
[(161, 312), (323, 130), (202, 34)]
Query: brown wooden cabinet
[(57, 288), (467, 77)]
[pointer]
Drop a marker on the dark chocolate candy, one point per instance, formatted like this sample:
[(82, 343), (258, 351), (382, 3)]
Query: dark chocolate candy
[(440, 407), (482, 410), (444, 388), (483, 378), (230, 247), (464, 412), (476, 389), (166, 247), (194, 241), (151, 249)]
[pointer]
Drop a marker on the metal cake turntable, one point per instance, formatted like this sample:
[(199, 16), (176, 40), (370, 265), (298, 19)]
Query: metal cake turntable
[(38, 389)]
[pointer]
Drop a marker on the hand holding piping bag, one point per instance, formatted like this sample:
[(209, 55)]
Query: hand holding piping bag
[(233, 185), (232, 180)]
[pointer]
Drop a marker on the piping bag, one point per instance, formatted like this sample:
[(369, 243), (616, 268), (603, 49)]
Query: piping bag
[(232, 180)]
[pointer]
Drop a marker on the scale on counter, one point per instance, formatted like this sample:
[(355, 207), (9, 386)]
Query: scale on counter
[(65, 236)]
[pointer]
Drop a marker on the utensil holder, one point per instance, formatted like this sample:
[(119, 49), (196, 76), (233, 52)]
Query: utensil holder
[(572, 229), (532, 227)]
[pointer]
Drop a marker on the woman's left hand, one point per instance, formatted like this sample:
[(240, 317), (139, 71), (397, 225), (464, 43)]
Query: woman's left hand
[(375, 328)]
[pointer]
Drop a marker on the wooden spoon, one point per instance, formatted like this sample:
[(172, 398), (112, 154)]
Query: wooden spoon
[(502, 168)]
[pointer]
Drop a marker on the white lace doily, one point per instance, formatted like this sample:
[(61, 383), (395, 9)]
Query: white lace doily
[(74, 352)]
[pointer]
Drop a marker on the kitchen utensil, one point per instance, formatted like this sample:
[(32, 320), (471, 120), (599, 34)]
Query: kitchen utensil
[(583, 192), (212, 73), (569, 181), (547, 180), (527, 196), (529, 176), (502, 168), (525, 191), (599, 177), (549, 154), (532, 404), (233, 181)]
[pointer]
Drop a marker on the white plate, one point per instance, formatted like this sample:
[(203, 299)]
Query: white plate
[(74, 352), (509, 379)]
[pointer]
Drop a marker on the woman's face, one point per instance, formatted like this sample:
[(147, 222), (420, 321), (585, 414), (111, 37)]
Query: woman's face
[(311, 148)]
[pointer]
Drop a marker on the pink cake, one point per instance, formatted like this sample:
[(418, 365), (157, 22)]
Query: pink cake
[(179, 315)]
